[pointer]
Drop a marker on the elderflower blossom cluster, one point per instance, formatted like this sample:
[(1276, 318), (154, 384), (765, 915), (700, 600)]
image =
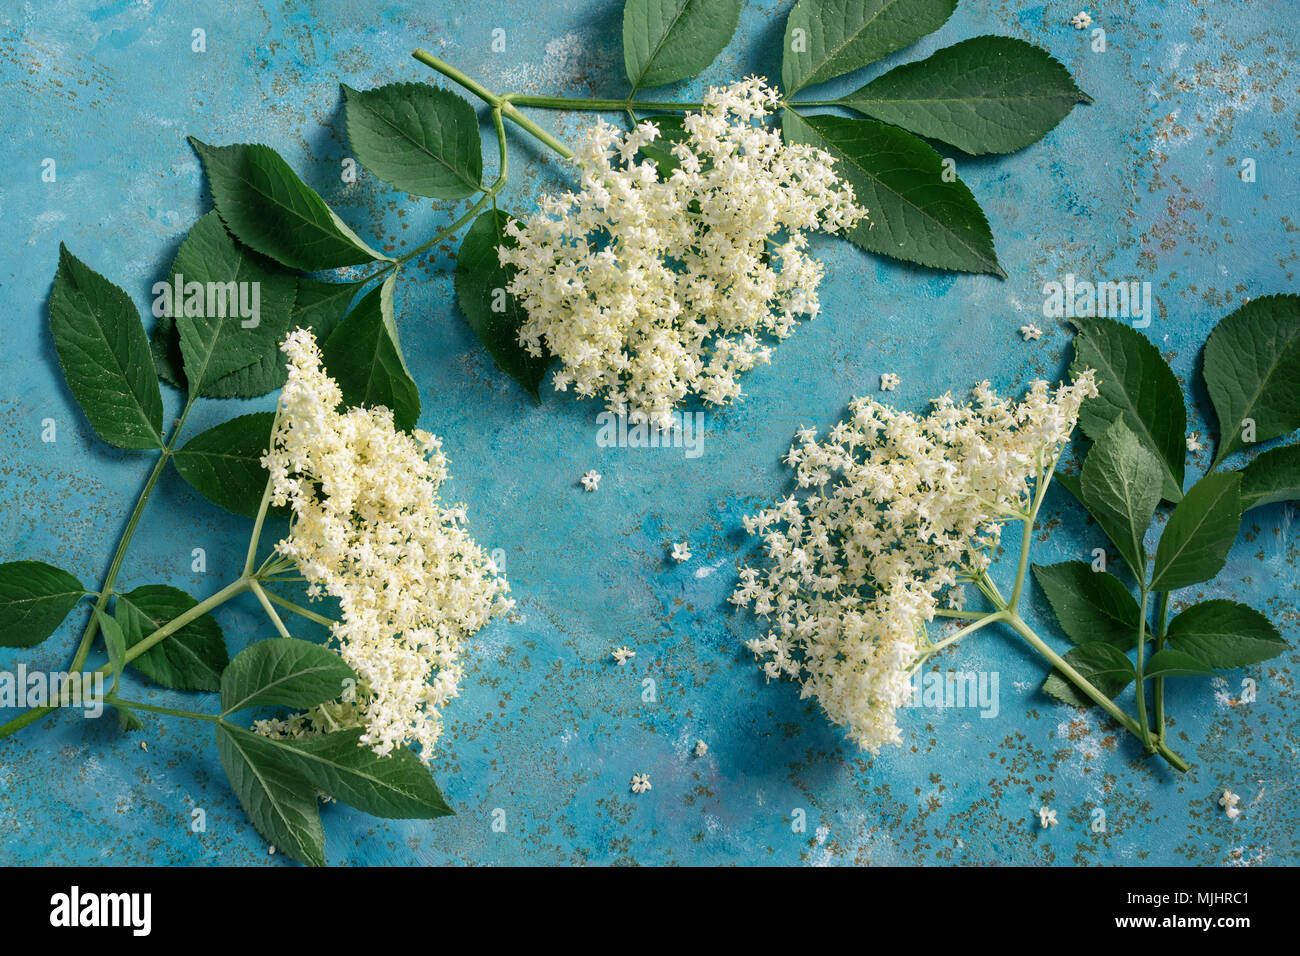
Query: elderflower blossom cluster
[(890, 511), (368, 529), (649, 288)]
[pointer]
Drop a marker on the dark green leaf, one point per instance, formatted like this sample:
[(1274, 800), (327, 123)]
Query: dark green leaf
[(1121, 488), (191, 658), (1173, 663), (285, 672), (280, 803), (105, 355), (271, 210), (828, 38), (984, 95), (35, 597), (1138, 385), (419, 138), (1090, 605), (364, 357), (912, 213), (1225, 634), (1195, 544), (127, 721), (224, 463), (1103, 666), (1272, 476), (1252, 371), (669, 40), (494, 314)]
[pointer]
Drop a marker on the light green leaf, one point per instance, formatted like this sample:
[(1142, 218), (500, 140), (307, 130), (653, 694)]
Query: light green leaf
[(1102, 665), (35, 597), (224, 463), (363, 356), (1169, 662), (114, 643), (669, 40), (1195, 544), (912, 213), (984, 95), (828, 38), (1271, 476), (1224, 634), (1252, 371), (1121, 488), (419, 138), (283, 671), (191, 658), (269, 209), (105, 355), (1090, 605)]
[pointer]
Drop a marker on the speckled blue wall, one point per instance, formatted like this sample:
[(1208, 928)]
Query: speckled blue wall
[(1142, 184)]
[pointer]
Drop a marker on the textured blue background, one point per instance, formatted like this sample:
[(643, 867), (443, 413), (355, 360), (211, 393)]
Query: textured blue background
[(1142, 184)]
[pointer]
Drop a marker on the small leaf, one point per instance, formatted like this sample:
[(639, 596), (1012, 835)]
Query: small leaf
[(364, 357), (224, 463), (988, 94), (127, 721), (35, 597), (1224, 634), (1252, 367), (115, 644), (282, 671), (192, 658), (828, 38), (1121, 488), (269, 209), (1195, 544), (105, 355), (912, 213), (1090, 605), (1168, 662), (419, 138), (279, 802), (1134, 383), (669, 40), (494, 315), (1103, 666), (1271, 476)]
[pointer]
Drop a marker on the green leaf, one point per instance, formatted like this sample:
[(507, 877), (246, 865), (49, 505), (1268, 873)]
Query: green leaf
[(271, 210), (224, 463), (115, 644), (828, 38), (494, 314), (1173, 663), (912, 213), (984, 95), (1121, 488), (395, 786), (1195, 544), (1252, 371), (669, 40), (105, 355), (419, 138), (285, 672), (1135, 383), (127, 721), (1224, 634), (192, 658), (280, 803), (35, 597), (1102, 665), (364, 357), (1090, 605), (216, 339), (1272, 476)]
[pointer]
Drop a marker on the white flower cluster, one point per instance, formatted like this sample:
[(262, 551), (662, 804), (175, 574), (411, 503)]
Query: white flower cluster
[(892, 509), (368, 529), (649, 289)]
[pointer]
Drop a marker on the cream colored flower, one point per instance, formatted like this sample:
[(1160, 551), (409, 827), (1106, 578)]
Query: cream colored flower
[(591, 480), (889, 381), (1194, 442), (681, 551), (622, 655), (1031, 332), (641, 782), (1046, 817), (1081, 20)]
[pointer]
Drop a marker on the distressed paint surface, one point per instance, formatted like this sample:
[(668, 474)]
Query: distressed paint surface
[(1144, 184)]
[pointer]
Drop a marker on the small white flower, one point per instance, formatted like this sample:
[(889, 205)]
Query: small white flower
[(1081, 20), (271, 850), (701, 748), (1194, 442), (622, 654), (889, 381), (957, 598), (1229, 802), (641, 782), (681, 551), (1046, 817), (1031, 332), (591, 480)]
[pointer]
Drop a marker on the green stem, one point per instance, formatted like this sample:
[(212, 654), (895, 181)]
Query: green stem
[(1140, 666), (984, 621), (151, 708), (297, 609), (270, 610), (597, 106), (1158, 692)]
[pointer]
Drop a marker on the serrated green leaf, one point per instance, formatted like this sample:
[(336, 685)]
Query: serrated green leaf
[(419, 138), (1121, 488), (285, 672), (269, 209), (1089, 605), (912, 213), (35, 597), (1169, 662), (278, 801), (105, 355), (191, 658), (1134, 383), (669, 40), (828, 38), (1224, 634), (1195, 544), (1252, 371), (224, 463), (363, 356), (1271, 476), (494, 314), (987, 94), (1103, 666)]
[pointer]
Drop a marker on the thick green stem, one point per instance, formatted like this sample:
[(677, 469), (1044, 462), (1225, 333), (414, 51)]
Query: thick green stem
[(269, 609), (1140, 667), (597, 106), (1158, 691)]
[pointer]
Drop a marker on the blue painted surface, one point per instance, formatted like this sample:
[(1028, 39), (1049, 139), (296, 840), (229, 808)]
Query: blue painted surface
[(1143, 184)]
